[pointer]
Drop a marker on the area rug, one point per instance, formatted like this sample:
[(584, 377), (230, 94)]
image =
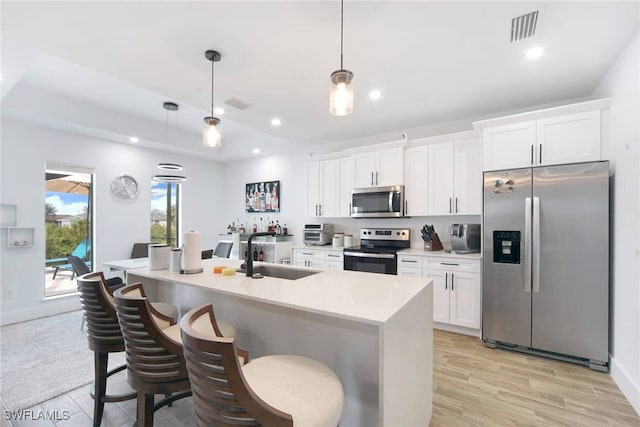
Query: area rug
[(44, 358)]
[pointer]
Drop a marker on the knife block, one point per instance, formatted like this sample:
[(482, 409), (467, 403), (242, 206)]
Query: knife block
[(434, 245)]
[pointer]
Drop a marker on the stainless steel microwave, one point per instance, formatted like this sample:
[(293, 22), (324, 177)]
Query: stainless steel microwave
[(377, 202)]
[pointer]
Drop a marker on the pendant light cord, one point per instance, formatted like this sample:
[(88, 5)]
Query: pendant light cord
[(341, 30), (212, 62)]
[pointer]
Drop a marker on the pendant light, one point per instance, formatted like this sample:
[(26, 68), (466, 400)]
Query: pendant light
[(167, 166), (341, 91), (211, 136)]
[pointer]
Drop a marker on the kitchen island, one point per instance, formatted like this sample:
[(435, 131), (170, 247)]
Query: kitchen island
[(373, 330)]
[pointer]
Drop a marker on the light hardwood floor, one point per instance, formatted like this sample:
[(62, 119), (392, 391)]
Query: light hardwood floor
[(473, 386)]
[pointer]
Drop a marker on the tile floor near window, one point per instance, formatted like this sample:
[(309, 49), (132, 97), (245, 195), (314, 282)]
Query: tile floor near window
[(473, 386)]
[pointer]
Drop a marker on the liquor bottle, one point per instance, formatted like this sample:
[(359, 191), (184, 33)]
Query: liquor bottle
[(256, 198), (261, 255), (285, 231), (267, 201), (261, 198), (278, 228), (274, 198), (255, 254)]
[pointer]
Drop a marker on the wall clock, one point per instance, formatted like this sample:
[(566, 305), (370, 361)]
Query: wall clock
[(124, 186)]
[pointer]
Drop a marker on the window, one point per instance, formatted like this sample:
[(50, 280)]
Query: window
[(68, 217), (165, 213)]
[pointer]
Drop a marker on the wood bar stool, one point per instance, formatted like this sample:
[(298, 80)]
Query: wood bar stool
[(154, 360), (272, 390), (104, 336)]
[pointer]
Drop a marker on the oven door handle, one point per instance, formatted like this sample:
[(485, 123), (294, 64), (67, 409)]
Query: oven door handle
[(369, 255)]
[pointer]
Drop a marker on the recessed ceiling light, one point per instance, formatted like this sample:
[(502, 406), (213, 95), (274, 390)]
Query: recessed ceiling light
[(375, 94), (218, 110), (256, 151), (276, 122), (535, 52), (134, 139)]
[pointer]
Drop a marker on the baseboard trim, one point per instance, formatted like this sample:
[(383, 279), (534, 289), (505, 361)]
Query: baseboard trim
[(630, 390), (47, 308), (457, 329)]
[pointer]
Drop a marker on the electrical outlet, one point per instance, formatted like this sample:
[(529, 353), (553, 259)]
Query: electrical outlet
[(7, 293)]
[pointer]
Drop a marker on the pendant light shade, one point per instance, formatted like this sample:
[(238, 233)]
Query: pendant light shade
[(341, 95), (341, 91), (211, 135), (169, 166)]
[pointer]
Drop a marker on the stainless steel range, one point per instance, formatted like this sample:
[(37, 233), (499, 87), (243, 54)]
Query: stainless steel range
[(377, 250)]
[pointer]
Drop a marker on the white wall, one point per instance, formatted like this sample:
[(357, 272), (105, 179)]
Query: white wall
[(621, 83), (119, 223)]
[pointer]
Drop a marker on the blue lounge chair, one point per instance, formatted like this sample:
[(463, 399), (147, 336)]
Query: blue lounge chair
[(81, 251)]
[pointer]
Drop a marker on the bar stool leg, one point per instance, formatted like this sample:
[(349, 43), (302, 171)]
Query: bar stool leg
[(100, 366), (145, 410)]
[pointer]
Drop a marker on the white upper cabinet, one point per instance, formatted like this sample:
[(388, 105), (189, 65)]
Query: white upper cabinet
[(569, 139), (416, 178), (455, 177), (378, 168), (468, 177), (508, 146), (344, 168), (312, 176), (329, 184), (559, 135)]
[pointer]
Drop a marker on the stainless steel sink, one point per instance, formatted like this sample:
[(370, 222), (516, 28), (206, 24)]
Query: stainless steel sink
[(281, 272)]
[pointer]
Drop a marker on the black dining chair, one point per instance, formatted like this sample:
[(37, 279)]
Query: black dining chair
[(140, 250), (207, 254), (223, 249)]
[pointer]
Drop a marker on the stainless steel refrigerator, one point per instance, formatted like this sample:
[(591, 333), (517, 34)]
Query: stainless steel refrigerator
[(546, 261)]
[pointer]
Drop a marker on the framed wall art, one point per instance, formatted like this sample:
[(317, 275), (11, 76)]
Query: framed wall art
[(262, 196)]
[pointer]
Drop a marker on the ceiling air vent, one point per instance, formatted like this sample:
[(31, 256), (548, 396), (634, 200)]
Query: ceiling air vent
[(524, 26), (236, 103)]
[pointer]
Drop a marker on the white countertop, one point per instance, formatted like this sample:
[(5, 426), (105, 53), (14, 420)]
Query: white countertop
[(422, 252), (322, 248), (364, 297)]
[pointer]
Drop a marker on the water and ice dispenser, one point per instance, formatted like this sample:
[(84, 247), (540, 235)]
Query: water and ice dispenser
[(506, 247)]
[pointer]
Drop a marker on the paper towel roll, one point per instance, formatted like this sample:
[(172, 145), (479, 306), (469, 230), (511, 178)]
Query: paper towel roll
[(191, 253), (158, 257)]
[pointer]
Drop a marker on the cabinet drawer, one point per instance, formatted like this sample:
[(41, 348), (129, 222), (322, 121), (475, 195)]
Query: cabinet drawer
[(409, 261), (452, 264), (333, 256), (309, 254)]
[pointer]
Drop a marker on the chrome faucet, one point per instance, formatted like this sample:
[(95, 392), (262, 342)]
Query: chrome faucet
[(248, 262)]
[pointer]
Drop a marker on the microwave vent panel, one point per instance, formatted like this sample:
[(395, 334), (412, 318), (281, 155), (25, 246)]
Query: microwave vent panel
[(523, 27)]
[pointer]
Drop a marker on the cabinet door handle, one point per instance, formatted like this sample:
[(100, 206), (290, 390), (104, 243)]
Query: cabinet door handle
[(406, 207), (320, 210), (448, 263), (376, 178), (306, 253), (333, 256), (408, 260), (446, 279), (372, 178), (451, 281), (531, 153), (350, 209), (540, 159), (456, 205), (449, 204)]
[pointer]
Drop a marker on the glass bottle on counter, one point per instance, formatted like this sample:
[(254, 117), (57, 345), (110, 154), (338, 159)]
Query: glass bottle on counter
[(261, 255), (255, 254), (285, 231), (278, 228)]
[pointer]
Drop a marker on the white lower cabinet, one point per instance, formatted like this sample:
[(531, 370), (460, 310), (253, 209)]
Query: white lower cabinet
[(321, 259), (456, 287)]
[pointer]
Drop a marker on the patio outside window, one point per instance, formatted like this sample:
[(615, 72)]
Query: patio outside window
[(165, 213)]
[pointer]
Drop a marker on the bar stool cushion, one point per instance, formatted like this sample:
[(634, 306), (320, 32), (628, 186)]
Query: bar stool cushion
[(304, 388), (166, 309), (201, 325)]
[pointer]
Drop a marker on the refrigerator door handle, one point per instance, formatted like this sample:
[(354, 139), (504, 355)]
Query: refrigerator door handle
[(536, 244), (527, 244)]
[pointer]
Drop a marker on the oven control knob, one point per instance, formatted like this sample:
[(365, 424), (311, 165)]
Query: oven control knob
[(398, 233)]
